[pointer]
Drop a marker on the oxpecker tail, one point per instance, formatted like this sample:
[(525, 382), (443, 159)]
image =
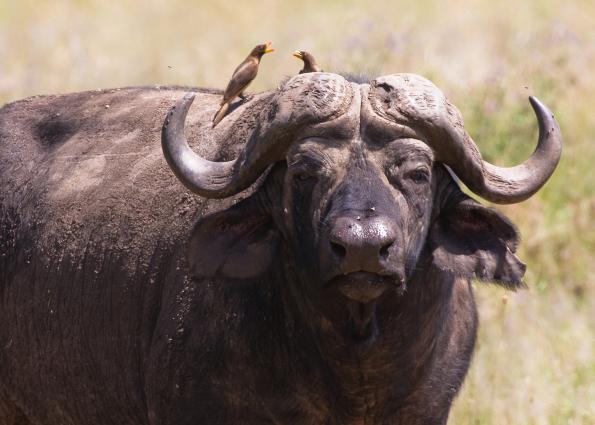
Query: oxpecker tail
[(220, 114)]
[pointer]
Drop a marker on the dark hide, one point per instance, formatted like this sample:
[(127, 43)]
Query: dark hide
[(125, 300), (422, 352)]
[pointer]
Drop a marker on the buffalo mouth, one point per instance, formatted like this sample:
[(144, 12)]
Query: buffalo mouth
[(362, 291), (364, 287)]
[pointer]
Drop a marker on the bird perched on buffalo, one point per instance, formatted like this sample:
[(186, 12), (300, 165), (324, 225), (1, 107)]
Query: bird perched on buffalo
[(241, 78), (310, 64)]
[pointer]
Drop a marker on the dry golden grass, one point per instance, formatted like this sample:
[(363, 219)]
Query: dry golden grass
[(535, 362)]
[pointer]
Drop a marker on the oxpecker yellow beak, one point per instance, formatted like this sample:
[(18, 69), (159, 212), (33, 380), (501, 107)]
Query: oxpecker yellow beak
[(269, 49), (298, 54)]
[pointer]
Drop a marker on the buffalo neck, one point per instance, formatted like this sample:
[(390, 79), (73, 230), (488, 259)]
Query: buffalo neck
[(365, 376)]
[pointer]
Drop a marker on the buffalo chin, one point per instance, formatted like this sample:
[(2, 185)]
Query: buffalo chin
[(361, 291), (362, 324)]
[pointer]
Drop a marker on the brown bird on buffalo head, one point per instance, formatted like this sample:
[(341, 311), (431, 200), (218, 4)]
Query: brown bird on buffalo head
[(241, 78), (310, 64)]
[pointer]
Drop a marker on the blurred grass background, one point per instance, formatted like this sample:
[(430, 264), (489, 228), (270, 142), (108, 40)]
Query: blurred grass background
[(535, 360)]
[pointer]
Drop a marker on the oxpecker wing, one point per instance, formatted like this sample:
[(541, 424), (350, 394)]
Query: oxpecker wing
[(241, 78)]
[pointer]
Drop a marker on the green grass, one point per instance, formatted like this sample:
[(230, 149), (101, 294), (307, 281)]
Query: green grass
[(535, 362)]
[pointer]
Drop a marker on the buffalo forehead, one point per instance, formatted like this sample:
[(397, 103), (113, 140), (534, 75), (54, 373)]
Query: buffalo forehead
[(314, 97), (407, 99), (358, 125)]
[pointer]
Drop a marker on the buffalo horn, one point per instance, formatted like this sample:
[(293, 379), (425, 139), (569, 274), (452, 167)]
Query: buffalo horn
[(508, 185)]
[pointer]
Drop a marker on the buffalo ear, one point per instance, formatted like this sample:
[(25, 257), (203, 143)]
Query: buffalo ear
[(471, 240), (238, 243)]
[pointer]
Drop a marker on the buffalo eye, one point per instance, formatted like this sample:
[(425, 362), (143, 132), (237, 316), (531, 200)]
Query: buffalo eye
[(305, 169), (303, 176), (399, 175), (418, 175)]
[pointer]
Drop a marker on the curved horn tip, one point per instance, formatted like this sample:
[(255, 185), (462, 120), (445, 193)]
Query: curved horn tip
[(185, 102), (545, 118), (539, 107), (182, 106), (190, 95), (509, 185)]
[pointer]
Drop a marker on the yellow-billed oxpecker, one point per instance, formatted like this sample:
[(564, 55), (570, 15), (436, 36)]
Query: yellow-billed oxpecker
[(310, 64), (241, 78)]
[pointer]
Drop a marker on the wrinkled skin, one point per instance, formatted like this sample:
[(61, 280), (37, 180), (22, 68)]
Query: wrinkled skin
[(337, 291)]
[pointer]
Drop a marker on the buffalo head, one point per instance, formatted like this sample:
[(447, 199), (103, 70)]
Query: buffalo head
[(358, 200)]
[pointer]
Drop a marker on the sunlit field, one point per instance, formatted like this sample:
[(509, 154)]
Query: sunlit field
[(535, 359)]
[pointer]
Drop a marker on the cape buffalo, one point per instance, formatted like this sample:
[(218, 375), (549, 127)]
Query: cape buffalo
[(322, 275)]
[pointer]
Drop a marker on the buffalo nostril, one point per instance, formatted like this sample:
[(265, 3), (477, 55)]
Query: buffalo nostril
[(338, 250), (384, 251)]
